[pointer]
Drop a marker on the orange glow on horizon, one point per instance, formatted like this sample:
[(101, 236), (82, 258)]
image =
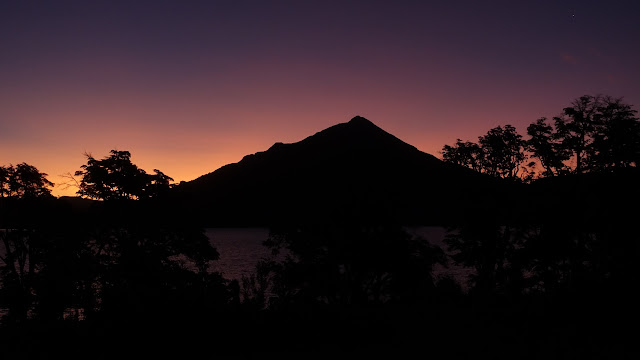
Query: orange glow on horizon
[(194, 88)]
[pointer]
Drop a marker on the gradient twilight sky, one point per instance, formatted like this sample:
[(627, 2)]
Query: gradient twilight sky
[(189, 86)]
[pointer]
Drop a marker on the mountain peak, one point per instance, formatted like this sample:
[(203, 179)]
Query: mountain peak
[(355, 165), (359, 120)]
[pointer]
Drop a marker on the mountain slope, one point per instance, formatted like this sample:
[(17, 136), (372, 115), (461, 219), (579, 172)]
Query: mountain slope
[(347, 171)]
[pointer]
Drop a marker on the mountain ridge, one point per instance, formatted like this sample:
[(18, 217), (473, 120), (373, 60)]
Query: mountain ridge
[(357, 124), (351, 169)]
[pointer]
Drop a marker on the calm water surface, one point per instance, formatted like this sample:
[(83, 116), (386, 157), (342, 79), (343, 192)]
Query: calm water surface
[(241, 248)]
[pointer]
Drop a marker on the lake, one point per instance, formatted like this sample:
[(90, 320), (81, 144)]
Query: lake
[(241, 248)]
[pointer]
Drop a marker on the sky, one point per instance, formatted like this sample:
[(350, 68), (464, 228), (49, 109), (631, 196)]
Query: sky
[(189, 86)]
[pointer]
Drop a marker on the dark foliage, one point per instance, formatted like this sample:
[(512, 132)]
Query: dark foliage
[(553, 259), (23, 181), (115, 177), (352, 264)]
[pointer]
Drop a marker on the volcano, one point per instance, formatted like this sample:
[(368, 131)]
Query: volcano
[(350, 171)]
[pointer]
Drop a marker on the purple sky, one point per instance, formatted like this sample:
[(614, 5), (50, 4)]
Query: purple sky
[(188, 86)]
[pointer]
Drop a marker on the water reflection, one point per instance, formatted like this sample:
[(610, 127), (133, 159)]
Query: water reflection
[(241, 248)]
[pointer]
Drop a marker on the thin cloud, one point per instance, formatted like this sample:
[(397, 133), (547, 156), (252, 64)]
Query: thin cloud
[(568, 58), (613, 79)]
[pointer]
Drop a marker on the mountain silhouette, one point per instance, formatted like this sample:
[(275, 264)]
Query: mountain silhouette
[(352, 170)]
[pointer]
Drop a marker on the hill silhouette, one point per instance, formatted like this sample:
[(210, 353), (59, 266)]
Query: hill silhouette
[(350, 170), (556, 256)]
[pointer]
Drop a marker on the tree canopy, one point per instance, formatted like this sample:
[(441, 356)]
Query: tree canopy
[(499, 153), (595, 133), (23, 181), (139, 270), (116, 177), (112, 258)]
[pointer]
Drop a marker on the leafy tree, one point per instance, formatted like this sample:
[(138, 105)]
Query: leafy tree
[(600, 132), (21, 244), (595, 133), (493, 252), (4, 181), (146, 258), (23, 181), (616, 143), (503, 150), (17, 266), (499, 153), (30, 241), (116, 177), (352, 265), (149, 267), (465, 153), (576, 127), (126, 259), (543, 145)]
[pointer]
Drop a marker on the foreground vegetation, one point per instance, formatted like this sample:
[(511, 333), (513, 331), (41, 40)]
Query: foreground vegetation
[(122, 269)]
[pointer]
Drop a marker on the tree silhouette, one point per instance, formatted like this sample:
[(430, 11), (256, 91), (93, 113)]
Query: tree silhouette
[(465, 153), (600, 132), (594, 134), (352, 264), (23, 181), (494, 252), (19, 254), (26, 244), (126, 258), (543, 145), (499, 153), (577, 125), (116, 177), (5, 174), (616, 144), (142, 253), (503, 150), (21, 189)]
